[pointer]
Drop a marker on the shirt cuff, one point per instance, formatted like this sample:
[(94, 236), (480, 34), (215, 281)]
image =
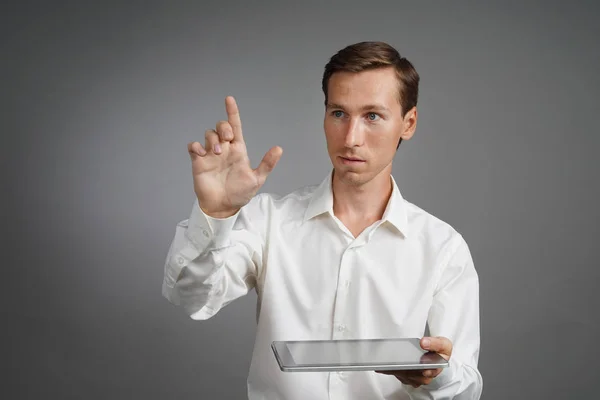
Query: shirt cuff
[(204, 229)]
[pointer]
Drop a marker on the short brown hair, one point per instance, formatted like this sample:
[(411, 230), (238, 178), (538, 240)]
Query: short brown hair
[(365, 56)]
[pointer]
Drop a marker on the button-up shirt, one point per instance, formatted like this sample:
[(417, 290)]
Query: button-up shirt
[(314, 280)]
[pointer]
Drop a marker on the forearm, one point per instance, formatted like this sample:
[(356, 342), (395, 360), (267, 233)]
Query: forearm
[(209, 264)]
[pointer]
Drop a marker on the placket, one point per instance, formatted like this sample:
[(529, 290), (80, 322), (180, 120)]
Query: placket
[(341, 326)]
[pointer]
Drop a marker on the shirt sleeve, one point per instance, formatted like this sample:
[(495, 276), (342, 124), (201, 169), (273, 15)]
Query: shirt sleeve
[(211, 262), (454, 314)]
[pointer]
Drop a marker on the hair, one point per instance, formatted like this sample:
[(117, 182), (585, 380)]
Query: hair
[(364, 56)]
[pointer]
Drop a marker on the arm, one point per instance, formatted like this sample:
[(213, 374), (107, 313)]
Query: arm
[(454, 315), (212, 261), (216, 254)]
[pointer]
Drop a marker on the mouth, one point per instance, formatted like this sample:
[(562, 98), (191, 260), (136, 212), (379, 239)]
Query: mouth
[(352, 160)]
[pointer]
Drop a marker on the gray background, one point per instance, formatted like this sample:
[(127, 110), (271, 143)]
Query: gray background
[(99, 102)]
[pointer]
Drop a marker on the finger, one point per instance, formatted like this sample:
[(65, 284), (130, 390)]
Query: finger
[(410, 373), (417, 378), (195, 149), (431, 373), (233, 117), (268, 163), (212, 141), (421, 380), (440, 345), (404, 374), (435, 372), (225, 131)]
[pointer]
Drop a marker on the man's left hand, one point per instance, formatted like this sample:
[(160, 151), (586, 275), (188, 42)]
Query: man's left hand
[(416, 378)]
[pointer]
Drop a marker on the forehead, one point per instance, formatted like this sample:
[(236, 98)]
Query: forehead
[(366, 87)]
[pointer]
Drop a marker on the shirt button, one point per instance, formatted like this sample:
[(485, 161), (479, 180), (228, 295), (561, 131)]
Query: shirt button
[(218, 259), (341, 327), (180, 260), (205, 233), (347, 283)]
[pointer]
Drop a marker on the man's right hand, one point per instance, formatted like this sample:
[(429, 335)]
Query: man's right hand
[(224, 180)]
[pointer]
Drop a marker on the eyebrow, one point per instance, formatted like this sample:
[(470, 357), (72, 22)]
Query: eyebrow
[(363, 108)]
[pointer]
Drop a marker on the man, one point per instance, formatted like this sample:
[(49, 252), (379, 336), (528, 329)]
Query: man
[(349, 258)]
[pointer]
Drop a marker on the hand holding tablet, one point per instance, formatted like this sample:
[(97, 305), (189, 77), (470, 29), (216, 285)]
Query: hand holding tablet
[(440, 346), (392, 355)]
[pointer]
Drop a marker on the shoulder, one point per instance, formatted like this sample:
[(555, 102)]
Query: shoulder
[(432, 232), (292, 204)]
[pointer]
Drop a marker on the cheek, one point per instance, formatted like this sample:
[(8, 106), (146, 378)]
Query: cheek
[(383, 139), (332, 131), (332, 123)]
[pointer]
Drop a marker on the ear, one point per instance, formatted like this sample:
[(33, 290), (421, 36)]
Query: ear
[(410, 124)]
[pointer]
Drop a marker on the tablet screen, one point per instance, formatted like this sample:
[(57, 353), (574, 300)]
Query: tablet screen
[(355, 351)]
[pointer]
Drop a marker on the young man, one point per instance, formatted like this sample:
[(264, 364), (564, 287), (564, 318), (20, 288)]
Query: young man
[(349, 258)]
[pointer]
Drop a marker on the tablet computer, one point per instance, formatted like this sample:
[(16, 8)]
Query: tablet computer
[(355, 355)]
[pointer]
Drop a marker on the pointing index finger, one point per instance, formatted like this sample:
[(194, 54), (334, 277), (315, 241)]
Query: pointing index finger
[(233, 117)]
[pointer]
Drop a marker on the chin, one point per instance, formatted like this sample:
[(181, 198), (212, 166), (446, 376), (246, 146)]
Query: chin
[(351, 178)]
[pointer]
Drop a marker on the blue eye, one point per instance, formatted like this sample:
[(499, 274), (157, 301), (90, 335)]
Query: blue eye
[(373, 116), (338, 114)]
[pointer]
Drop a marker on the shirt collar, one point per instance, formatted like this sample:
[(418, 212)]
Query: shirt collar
[(322, 202)]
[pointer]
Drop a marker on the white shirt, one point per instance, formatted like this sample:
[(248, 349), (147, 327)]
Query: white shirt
[(314, 280)]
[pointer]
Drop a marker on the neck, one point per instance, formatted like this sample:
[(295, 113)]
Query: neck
[(362, 202)]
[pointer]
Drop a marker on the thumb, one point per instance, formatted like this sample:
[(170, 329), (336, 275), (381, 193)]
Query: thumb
[(268, 163), (440, 345)]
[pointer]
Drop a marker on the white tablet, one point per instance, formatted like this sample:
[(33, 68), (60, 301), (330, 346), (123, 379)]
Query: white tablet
[(355, 355)]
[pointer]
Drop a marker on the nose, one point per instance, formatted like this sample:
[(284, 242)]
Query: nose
[(354, 134)]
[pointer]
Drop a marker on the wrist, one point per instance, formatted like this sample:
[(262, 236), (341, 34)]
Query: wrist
[(219, 214)]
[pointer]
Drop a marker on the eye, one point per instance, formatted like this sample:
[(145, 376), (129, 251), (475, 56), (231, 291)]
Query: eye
[(372, 116), (338, 113)]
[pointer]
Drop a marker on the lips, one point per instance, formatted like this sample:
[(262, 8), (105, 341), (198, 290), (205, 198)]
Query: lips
[(351, 161)]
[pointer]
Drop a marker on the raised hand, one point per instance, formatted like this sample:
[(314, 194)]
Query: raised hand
[(224, 180)]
